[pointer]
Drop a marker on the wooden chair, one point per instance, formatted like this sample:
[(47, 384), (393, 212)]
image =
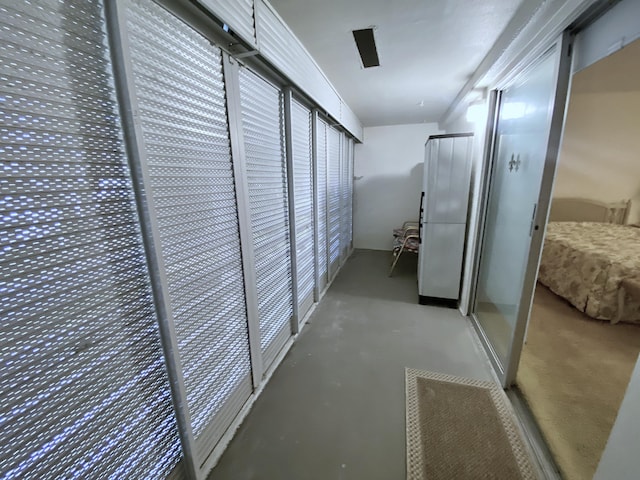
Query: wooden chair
[(405, 239)]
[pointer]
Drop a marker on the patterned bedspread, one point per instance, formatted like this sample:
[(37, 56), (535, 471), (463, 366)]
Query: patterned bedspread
[(585, 262)]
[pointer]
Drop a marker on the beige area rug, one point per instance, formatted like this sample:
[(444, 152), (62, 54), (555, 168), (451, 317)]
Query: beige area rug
[(462, 429), (573, 374)]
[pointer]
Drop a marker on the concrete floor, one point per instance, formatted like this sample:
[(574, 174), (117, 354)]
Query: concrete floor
[(335, 407)]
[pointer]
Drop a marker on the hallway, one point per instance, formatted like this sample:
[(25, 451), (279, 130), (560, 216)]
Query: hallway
[(335, 407)]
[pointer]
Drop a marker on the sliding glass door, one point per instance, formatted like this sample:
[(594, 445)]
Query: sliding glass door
[(527, 135)]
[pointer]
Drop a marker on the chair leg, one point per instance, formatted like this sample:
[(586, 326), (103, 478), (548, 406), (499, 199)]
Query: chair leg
[(395, 260)]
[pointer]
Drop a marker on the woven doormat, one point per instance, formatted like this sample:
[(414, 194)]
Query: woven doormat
[(462, 429)]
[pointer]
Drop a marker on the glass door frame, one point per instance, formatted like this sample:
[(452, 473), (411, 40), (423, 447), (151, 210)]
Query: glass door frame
[(563, 52)]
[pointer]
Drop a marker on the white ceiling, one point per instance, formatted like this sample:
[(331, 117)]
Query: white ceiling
[(427, 50)]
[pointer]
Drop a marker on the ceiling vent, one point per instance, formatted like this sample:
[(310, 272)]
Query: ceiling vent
[(366, 47)]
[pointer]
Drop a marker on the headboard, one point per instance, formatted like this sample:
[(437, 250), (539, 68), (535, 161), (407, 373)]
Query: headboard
[(586, 210)]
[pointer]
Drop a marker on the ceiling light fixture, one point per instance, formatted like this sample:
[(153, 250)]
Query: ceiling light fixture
[(477, 112), (478, 109)]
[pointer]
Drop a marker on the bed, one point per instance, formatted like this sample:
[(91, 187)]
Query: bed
[(593, 262)]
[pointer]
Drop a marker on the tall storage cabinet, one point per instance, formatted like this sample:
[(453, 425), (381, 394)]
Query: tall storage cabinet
[(443, 215)]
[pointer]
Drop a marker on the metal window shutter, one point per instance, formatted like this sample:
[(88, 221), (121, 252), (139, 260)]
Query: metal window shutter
[(344, 199), (281, 47), (181, 104), (238, 14), (263, 129), (346, 185), (350, 121), (83, 392), (350, 195), (303, 202), (334, 198), (321, 207)]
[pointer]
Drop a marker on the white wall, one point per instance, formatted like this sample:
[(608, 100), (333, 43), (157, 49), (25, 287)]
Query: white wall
[(600, 154), (388, 169), (620, 459)]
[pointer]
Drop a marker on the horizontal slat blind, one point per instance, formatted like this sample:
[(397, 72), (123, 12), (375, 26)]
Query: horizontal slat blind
[(334, 197), (321, 207), (303, 200), (83, 388), (263, 126), (181, 99)]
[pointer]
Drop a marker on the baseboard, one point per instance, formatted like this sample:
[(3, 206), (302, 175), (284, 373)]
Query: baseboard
[(226, 439), (178, 472), (438, 302), (330, 281), (542, 455), (544, 462), (307, 316)]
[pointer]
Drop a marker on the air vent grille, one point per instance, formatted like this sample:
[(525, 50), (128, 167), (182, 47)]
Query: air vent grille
[(366, 44)]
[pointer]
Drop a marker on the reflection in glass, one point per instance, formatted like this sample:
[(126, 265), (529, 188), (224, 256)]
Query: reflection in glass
[(522, 135)]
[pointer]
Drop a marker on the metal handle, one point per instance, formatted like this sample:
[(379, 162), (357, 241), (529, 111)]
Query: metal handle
[(420, 218), (533, 225)]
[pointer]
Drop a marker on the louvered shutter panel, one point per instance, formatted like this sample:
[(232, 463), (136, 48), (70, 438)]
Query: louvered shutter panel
[(263, 130), (334, 198), (181, 104), (238, 14), (303, 195), (281, 48), (84, 392), (350, 195), (344, 199), (321, 204)]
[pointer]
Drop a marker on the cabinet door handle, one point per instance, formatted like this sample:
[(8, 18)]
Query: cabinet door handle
[(420, 218)]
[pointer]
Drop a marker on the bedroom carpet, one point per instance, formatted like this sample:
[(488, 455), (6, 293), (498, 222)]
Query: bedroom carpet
[(463, 429), (573, 374)]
